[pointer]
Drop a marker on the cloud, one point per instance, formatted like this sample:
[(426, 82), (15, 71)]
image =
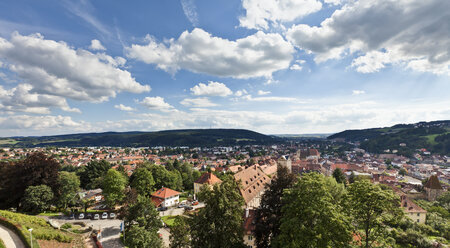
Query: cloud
[(124, 108), (261, 14), (190, 11), (241, 93), (31, 125), (414, 34), (56, 69), (358, 92), (272, 99), (96, 45), (257, 55), (156, 103), (211, 89), (296, 67), (19, 99), (83, 9), (201, 102), (262, 93)]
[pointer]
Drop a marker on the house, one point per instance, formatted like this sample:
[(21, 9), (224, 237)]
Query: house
[(205, 179), (252, 181), (249, 227), (433, 188), (412, 210), (165, 197)]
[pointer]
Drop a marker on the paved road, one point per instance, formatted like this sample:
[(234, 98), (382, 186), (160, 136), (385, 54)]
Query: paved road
[(10, 239), (178, 211), (110, 231)]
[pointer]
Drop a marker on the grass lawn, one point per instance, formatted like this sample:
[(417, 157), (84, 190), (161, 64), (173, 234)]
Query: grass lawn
[(2, 245), (183, 198), (169, 220), (41, 229)]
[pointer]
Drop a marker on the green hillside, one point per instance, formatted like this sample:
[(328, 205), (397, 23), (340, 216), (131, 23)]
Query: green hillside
[(189, 137), (433, 136)]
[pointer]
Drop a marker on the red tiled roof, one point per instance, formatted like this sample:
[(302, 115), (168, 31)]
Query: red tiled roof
[(157, 201), (208, 178), (165, 193)]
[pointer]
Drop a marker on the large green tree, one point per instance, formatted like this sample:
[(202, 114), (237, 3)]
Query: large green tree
[(113, 187), (36, 169), (339, 176), (180, 233), (89, 177), (268, 215), (371, 208), (142, 217), (313, 216), (219, 223), (68, 187), (142, 181), (37, 199)]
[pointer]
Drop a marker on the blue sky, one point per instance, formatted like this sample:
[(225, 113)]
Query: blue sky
[(273, 66)]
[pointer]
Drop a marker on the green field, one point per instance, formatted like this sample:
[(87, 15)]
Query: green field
[(169, 220), (8, 141)]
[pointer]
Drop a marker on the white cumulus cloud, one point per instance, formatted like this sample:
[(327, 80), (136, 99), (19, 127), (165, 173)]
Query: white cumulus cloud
[(260, 14), (257, 55), (211, 89), (123, 107), (358, 92), (414, 34), (55, 68), (156, 103), (96, 45), (262, 92)]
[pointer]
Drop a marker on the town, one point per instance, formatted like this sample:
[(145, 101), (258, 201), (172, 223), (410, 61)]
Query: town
[(179, 174)]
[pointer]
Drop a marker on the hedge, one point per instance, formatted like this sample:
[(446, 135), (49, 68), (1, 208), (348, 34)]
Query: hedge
[(18, 229)]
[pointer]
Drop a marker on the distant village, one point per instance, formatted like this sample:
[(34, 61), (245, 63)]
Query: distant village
[(426, 176)]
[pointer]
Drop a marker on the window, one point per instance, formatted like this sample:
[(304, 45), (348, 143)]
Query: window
[(418, 214), (418, 220), (250, 237)]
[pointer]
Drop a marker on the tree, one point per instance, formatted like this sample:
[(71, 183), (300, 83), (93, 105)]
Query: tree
[(37, 199), (339, 176), (68, 186), (92, 171), (371, 208), (142, 217), (138, 237), (313, 215), (219, 223), (268, 215), (35, 169), (402, 172), (113, 187), (180, 233), (352, 177), (142, 181)]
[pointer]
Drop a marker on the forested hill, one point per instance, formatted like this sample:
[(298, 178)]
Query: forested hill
[(433, 136), (189, 137)]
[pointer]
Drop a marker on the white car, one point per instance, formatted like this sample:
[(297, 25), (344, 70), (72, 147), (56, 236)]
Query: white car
[(105, 215), (96, 216), (112, 215), (81, 216)]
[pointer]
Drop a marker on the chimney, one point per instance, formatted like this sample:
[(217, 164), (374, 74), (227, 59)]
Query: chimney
[(246, 212)]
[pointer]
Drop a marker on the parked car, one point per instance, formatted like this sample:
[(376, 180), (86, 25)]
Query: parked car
[(105, 215), (188, 208), (112, 215), (96, 216), (72, 216), (194, 203), (182, 205), (162, 208), (81, 216), (88, 216)]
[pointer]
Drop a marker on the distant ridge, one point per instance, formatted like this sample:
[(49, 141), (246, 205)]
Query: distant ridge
[(434, 136), (184, 137)]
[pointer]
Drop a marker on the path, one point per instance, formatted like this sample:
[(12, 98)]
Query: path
[(10, 238)]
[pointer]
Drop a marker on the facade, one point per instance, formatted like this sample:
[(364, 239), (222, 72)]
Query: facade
[(249, 228), (206, 179), (433, 188), (252, 180), (285, 161), (165, 197), (412, 210)]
